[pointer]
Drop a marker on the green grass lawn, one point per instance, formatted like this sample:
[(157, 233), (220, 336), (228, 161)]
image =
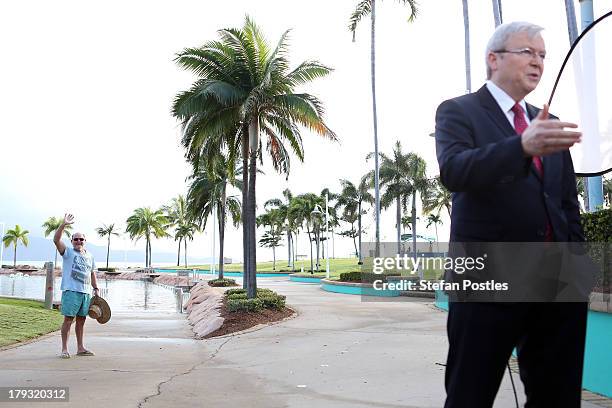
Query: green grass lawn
[(25, 319), (336, 267)]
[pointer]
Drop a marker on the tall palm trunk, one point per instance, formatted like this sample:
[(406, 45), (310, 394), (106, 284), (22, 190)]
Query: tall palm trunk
[(497, 12), (437, 241), (375, 120), (414, 232), (245, 189), (107, 251), (178, 256), (253, 148), (185, 243), (15, 256), (294, 250), (221, 232), (310, 241), (398, 224), (354, 242), (359, 254), (146, 252), (288, 247), (466, 31), (317, 240)]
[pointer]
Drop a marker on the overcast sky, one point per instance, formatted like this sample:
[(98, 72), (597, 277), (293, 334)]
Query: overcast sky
[(86, 89)]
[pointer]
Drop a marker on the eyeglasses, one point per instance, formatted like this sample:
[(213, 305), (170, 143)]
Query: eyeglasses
[(78, 239), (526, 52)]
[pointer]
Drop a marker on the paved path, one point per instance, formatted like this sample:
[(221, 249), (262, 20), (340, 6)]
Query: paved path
[(339, 352)]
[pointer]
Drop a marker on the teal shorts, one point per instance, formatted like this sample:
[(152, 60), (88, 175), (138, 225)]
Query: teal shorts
[(75, 303)]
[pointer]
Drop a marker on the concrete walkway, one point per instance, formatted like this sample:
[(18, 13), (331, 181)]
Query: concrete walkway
[(338, 352)]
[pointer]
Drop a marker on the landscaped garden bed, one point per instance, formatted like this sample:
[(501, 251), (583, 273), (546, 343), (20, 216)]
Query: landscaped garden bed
[(240, 313)]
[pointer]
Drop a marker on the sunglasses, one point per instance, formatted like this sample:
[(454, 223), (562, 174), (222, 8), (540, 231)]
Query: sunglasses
[(78, 239)]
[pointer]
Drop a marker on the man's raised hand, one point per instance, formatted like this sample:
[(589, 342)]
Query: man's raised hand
[(68, 219), (545, 136)]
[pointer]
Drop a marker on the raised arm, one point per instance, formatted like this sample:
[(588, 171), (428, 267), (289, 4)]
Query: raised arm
[(57, 238)]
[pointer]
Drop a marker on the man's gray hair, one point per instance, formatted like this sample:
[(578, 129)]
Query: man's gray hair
[(502, 34)]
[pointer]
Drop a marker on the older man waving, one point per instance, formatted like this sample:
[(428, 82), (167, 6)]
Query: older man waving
[(78, 278)]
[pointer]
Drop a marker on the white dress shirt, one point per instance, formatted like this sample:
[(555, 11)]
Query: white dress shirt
[(506, 102)]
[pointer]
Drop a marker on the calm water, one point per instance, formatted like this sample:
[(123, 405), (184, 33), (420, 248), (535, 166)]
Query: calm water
[(121, 295)]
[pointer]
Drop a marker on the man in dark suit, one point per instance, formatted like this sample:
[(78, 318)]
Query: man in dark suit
[(511, 174)]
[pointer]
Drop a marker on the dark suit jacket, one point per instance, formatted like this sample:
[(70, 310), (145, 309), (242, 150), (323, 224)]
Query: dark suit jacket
[(498, 195)]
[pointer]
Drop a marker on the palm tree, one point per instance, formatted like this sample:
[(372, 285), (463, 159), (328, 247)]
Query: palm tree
[(107, 231), (352, 199), (145, 222), (301, 213), (274, 219), (283, 207), (270, 240), (208, 192), (51, 225), (497, 12), (365, 7), (245, 88), (420, 185), (14, 236), (434, 219), (396, 173), (176, 213), (411, 179), (185, 232), (466, 30), (351, 218), (572, 28), (437, 197)]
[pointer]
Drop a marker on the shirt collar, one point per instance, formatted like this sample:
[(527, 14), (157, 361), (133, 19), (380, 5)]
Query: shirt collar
[(504, 100)]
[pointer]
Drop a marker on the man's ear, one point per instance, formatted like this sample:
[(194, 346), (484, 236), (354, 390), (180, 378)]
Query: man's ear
[(492, 60)]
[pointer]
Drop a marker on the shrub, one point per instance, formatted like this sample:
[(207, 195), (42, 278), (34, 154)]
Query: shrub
[(234, 291), (222, 282), (598, 232), (266, 298), (247, 305), (273, 301), (237, 296), (364, 277), (107, 269)]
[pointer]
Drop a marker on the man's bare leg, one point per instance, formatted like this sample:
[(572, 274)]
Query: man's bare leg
[(79, 328), (66, 332)]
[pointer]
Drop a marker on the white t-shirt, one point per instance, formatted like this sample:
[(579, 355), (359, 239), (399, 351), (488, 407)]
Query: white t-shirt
[(76, 270)]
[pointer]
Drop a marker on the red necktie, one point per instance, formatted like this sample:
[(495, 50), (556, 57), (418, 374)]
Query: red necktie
[(520, 124)]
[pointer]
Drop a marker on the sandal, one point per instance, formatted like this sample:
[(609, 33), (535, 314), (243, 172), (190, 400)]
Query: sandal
[(65, 354), (85, 353)]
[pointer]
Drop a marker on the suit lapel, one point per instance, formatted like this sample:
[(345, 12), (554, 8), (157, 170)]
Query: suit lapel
[(494, 111), (499, 118)]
